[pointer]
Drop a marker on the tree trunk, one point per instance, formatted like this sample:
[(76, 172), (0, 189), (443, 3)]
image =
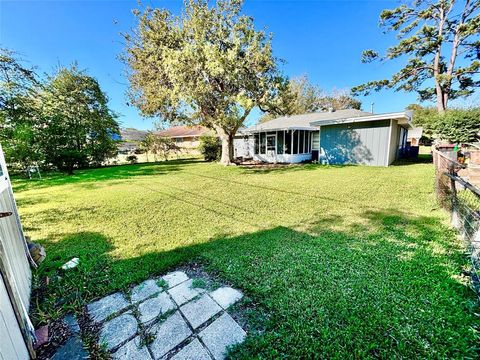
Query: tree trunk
[(227, 146)]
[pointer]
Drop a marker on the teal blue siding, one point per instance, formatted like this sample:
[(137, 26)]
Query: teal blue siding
[(356, 143)]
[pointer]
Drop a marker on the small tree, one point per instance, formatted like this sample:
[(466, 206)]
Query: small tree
[(209, 66), (164, 146), (434, 35), (78, 128), (19, 87), (210, 147), (147, 143)]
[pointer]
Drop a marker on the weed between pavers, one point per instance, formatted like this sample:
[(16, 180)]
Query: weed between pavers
[(162, 284)]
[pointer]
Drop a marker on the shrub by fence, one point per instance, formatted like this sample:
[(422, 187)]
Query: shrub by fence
[(461, 198)]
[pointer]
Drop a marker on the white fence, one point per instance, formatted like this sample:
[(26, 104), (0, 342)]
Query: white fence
[(16, 331)]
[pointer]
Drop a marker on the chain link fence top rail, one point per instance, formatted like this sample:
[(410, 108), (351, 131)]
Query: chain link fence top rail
[(456, 194)]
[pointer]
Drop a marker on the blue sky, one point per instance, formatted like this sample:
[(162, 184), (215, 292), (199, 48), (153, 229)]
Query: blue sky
[(322, 39)]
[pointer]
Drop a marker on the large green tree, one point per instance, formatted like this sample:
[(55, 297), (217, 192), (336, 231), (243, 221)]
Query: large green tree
[(439, 39), (300, 96), (78, 128), (19, 87), (208, 66)]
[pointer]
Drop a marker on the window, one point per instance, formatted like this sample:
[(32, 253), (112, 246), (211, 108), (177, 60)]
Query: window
[(256, 143), (301, 141), (271, 142), (263, 142), (295, 141), (288, 142), (280, 136)]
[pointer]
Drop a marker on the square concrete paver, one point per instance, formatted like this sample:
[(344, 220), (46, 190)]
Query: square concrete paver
[(175, 278), (193, 351), (226, 296), (150, 309), (103, 308), (221, 334), (199, 311), (169, 334), (118, 330), (145, 290), (132, 350), (72, 350), (183, 293)]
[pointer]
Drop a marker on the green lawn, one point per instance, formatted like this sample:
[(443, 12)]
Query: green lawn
[(337, 262)]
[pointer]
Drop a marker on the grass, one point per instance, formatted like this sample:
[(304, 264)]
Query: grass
[(336, 262)]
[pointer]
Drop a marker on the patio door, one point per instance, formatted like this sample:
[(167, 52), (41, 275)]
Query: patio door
[(272, 147)]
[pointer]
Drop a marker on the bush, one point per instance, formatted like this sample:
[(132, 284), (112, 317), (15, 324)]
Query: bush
[(132, 159), (210, 147)]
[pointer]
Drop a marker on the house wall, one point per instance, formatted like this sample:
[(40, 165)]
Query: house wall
[(282, 158), (243, 146), (394, 142), (356, 143)]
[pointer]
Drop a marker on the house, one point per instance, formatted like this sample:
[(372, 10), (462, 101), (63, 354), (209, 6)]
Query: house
[(130, 140), (187, 138), (414, 136), (331, 137)]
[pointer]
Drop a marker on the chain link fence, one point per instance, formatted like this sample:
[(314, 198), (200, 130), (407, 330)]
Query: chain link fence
[(458, 192)]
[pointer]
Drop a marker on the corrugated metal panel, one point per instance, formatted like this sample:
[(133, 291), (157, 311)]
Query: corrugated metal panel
[(12, 346), (356, 143)]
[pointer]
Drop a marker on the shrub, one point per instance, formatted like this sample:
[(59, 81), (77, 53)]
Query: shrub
[(210, 147), (132, 159)]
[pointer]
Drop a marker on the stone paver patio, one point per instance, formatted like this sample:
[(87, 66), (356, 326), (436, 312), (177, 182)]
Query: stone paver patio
[(168, 318)]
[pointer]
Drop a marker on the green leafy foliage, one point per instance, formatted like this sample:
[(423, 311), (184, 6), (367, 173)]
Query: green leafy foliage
[(208, 66), (301, 97), (440, 42), (19, 87), (210, 147), (132, 159), (454, 125), (63, 121), (77, 125)]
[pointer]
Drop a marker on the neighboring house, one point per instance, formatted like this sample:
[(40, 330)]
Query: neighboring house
[(130, 140), (187, 138), (333, 137), (414, 136)]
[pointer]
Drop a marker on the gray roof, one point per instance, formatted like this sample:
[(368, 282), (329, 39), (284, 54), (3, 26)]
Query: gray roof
[(303, 121)]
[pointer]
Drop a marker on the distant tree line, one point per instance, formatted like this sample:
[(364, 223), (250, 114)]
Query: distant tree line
[(60, 120)]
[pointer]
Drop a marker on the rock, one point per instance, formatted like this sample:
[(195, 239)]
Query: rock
[(199, 311), (103, 308), (226, 296), (168, 334), (71, 350), (118, 330), (72, 323), (221, 334), (145, 290), (42, 336)]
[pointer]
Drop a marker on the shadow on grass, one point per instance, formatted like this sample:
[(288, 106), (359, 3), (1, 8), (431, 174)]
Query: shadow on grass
[(108, 173), (390, 287)]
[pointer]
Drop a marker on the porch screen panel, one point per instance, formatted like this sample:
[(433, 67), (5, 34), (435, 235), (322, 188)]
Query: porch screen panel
[(256, 144), (280, 135), (308, 141), (263, 143), (295, 141), (288, 142), (301, 141)]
